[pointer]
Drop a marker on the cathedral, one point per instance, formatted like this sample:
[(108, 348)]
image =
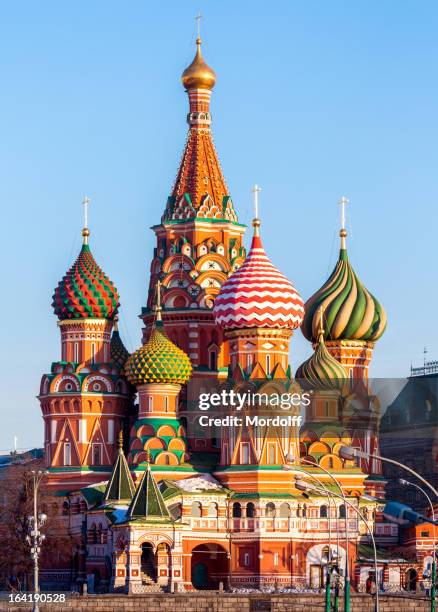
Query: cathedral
[(149, 503)]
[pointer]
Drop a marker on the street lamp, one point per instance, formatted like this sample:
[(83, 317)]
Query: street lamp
[(349, 454), (35, 538), (347, 585), (328, 572), (407, 483), (302, 485)]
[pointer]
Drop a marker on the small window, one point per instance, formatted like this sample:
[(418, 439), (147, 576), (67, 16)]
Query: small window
[(97, 454), (93, 352), (244, 453), (342, 511), (213, 360), (246, 559), (268, 364), (276, 559), (323, 512), (76, 352), (150, 403), (250, 510), (272, 453), (424, 534), (166, 403), (67, 453), (196, 509), (237, 510)]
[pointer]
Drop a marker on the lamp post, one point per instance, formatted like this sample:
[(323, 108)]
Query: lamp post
[(302, 485), (328, 573), (330, 501), (347, 585), (407, 483), (349, 453), (35, 538)]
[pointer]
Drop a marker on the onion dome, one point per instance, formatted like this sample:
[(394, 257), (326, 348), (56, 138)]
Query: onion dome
[(118, 352), (159, 360), (322, 370), (198, 75), (257, 294), (351, 312), (85, 292)]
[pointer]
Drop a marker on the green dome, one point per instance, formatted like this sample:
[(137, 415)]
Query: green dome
[(85, 291), (158, 361), (351, 312), (322, 371)]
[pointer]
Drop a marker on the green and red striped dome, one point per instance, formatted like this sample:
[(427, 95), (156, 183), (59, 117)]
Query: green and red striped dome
[(351, 312), (85, 292)]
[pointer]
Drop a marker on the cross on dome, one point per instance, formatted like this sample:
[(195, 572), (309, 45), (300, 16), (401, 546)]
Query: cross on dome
[(85, 231), (343, 232), (256, 221)]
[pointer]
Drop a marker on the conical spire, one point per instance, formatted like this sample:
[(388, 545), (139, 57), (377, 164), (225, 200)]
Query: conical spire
[(148, 502), (118, 352), (120, 487), (200, 190)]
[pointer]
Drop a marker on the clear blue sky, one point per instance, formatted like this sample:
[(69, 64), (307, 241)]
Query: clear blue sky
[(313, 100)]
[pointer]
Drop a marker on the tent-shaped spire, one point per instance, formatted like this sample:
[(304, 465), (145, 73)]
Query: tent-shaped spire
[(120, 486), (148, 501)]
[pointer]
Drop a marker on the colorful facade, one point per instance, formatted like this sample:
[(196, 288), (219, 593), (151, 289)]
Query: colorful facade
[(149, 506)]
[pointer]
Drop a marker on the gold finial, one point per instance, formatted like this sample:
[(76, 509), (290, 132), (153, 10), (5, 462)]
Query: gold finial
[(85, 231), (321, 325), (148, 459), (343, 232), (256, 221), (120, 441), (158, 308), (198, 75)]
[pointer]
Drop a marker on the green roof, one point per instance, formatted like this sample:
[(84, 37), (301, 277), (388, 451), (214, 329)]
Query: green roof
[(148, 502), (93, 494), (120, 486)]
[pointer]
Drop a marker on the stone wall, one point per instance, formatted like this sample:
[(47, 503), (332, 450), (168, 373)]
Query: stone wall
[(212, 602)]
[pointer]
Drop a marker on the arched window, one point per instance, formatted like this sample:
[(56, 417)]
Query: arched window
[(365, 513), (237, 510), (196, 509), (285, 510), (323, 511), (299, 514), (212, 509), (270, 510), (304, 510), (342, 511), (250, 510)]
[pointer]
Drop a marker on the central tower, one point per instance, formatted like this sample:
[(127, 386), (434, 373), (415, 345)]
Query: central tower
[(199, 239)]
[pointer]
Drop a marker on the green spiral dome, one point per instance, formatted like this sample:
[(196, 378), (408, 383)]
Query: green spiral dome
[(158, 361), (351, 312), (322, 371)]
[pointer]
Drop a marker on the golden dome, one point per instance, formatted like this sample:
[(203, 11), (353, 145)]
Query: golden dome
[(198, 75)]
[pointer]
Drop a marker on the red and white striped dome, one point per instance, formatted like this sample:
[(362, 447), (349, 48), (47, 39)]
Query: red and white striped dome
[(258, 295)]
